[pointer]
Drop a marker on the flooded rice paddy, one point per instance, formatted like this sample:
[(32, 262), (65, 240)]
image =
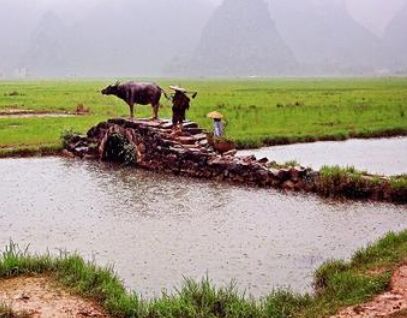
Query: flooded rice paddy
[(387, 156), (157, 229)]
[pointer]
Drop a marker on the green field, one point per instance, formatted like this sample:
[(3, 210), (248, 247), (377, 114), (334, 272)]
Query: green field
[(258, 111)]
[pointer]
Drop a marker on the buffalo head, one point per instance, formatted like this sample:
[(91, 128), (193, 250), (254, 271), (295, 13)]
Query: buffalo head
[(111, 89)]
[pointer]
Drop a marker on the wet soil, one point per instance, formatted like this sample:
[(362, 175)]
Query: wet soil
[(39, 296), (392, 303), (26, 113)]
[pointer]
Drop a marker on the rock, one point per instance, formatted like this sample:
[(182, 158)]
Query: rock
[(194, 131), (82, 150), (186, 140), (204, 143), (166, 125), (132, 125), (262, 176), (66, 153), (169, 143), (297, 173), (153, 124), (177, 150), (300, 185), (232, 153), (248, 158), (274, 172), (172, 158), (189, 125), (118, 121), (75, 139), (141, 147), (199, 137), (156, 147), (283, 174), (289, 185), (263, 160)]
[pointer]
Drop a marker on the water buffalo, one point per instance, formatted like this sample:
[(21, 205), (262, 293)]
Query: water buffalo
[(137, 93)]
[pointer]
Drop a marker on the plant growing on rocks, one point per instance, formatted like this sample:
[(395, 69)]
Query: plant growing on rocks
[(119, 149), (67, 135)]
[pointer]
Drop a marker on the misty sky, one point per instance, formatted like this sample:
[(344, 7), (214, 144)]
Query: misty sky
[(85, 37), (373, 14)]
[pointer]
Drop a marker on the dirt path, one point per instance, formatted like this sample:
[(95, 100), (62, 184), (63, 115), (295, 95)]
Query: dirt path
[(388, 305), (28, 113), (39, 297)]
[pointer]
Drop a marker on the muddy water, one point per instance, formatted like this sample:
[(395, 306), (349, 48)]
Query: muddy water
[(157, 229), (386, 156)]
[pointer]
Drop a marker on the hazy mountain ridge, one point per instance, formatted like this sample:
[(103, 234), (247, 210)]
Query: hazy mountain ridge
[(196, 37), (395, 42), (113, 39), (325, 36), (15, 30), (241, 39)]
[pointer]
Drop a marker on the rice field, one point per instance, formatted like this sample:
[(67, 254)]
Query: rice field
[(258, 111)]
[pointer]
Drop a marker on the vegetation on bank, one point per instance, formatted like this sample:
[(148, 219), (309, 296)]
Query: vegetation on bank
[(351, 183), (337, 284), (259, 112)]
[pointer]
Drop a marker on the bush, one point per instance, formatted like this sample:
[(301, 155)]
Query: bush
[(67, 135), (119, 149)]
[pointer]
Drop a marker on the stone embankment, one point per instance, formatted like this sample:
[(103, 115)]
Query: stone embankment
[(152, 145)]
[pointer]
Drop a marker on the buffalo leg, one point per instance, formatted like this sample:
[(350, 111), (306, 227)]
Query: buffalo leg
[(155, 111), (131, 111)]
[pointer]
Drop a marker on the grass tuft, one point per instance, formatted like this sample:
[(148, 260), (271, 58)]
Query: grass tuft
[(338, 284), (351, 183)]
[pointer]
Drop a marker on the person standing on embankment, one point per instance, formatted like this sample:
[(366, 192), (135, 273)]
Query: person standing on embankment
[(181, 103), (218, 125)]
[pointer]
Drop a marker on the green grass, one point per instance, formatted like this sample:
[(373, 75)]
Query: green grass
[(399, 182), (338, 284), (352, 183), (258, 111)]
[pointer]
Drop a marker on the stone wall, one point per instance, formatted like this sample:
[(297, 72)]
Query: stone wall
[(152, 145)]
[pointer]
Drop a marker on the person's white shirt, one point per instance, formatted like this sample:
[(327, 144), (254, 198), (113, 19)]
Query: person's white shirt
[(218, 128)]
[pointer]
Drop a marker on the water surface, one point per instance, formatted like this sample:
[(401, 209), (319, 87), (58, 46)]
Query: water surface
[(387, 156), (157, 229)]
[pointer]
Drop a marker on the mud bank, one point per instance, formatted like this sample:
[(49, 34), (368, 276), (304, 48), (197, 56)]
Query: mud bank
[(40, 296)]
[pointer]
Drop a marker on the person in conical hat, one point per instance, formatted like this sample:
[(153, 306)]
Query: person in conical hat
[(218, 125), (181, 103)]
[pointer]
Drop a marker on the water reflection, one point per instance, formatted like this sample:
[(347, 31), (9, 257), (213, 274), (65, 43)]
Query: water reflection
[(158, 228), (387, 156)]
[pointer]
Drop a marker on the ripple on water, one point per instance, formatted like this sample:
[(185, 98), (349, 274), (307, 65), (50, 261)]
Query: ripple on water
[(157, 229)]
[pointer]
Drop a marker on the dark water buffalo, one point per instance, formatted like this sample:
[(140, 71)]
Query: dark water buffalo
[(137, 93)]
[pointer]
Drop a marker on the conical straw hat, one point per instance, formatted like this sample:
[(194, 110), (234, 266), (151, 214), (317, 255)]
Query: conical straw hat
[(215, 115), (177, 88)]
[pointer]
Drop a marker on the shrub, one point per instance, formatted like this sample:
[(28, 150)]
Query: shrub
[(119, 149), (67, 135)]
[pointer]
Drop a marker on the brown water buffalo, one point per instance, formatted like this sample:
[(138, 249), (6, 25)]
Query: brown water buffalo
[(134, 93)]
